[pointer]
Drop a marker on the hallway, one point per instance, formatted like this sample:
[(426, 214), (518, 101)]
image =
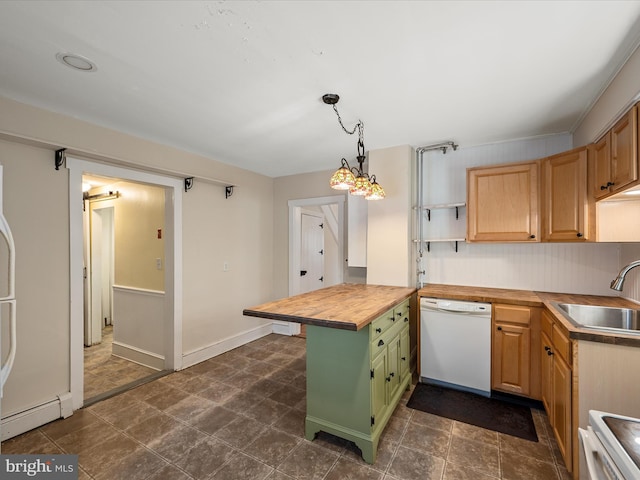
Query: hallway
[(104, 372)]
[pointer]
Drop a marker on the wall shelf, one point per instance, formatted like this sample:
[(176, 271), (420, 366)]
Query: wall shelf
[(440, 206), (429, 241)]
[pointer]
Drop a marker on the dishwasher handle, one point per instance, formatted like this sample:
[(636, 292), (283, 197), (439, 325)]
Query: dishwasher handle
[(452, 306)]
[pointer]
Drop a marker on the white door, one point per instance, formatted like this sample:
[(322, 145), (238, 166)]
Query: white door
[(311, 251), (100, 275)]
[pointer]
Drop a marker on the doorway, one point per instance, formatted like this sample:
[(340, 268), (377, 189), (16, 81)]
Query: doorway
[(164, 306), (316, 245), (122, 349)]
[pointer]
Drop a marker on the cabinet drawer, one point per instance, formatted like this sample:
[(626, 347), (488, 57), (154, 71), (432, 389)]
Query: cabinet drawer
[(561, 344), (512, 314), (381, 324), (401, 312)]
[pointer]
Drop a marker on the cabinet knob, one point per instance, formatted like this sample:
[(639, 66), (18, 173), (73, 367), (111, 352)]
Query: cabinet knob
[(532, 236), (378, 330), (399, 314), (499, 328), (610, 184), (603, 187), (380, 343), (406, 319), (388, 379), (393, 319), (546, 348), (549, 352), (404, 359), (392, 374), (579, 235)]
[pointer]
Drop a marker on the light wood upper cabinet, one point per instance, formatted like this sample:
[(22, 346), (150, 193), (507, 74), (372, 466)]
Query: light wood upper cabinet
[(568, 209), (502, 203), (616, 157)]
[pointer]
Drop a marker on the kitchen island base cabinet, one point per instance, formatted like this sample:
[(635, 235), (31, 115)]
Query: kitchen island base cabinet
[(355, 379)]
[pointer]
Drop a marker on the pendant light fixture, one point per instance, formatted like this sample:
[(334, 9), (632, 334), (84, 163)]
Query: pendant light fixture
[(356, 180)]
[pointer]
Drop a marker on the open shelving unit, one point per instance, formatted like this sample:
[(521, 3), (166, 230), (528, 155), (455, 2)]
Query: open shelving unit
[(426, 210)]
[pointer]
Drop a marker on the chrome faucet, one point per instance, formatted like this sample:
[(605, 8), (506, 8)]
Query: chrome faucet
[(617, 283)]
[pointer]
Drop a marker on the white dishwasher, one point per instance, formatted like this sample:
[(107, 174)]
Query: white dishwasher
[(455, 344)]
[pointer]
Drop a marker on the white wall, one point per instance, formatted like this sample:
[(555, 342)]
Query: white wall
[(389, 220), (571, 268), (36, 207), (621, 93)]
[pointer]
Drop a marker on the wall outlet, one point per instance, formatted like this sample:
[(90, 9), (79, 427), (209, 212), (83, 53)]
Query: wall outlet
[(225, 267), (159, 263)]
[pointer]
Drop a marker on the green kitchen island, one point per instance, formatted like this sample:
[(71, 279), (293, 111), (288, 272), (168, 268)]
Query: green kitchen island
[(358, 355)]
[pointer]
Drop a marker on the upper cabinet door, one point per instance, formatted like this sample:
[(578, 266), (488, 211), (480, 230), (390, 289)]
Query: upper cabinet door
[(624, 151), (502, 203), (616, 157), (567, 213), (601, 152)]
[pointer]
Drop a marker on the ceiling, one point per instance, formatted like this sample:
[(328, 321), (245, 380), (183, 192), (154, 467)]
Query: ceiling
[(241, 81)]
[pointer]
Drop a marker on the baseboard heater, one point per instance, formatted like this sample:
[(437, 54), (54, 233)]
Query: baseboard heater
[(13, 425)]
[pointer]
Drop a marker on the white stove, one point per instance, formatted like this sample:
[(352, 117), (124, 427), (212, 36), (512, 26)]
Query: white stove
[(611, 445)]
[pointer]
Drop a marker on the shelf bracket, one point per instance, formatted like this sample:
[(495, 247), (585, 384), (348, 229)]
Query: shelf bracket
[(60, 158)]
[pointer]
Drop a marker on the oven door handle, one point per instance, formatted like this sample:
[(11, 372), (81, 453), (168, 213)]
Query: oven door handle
[(590, 453)]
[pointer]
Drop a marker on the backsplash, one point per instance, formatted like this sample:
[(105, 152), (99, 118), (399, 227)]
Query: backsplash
[(629, 253), (585, 268)]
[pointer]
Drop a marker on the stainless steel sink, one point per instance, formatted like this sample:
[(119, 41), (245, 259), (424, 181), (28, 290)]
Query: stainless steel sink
[(621, 320)]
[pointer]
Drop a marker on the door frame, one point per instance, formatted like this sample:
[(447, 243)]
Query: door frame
[(173, 264), (295, 225)]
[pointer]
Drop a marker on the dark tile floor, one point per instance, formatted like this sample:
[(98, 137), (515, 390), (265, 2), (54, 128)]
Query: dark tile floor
[(104, 372), (241, 416)]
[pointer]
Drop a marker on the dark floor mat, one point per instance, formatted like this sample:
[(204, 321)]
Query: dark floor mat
[(489, 413)]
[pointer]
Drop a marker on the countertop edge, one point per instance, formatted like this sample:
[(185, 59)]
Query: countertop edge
[(536, 299), (295, 315)]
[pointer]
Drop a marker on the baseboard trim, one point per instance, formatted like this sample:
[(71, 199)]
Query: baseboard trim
[(21, 422), (200, 355), (137, 355), (286, 328)]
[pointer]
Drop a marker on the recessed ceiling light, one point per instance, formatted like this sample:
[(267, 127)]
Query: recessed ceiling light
[(76, 62)]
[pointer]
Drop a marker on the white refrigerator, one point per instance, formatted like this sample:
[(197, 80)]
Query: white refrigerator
[(7, 298)]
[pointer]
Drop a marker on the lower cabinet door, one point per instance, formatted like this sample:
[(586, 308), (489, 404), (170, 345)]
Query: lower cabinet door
[(546, 374), (405, 353), (379, 397), (511, 362), (562, 407), (393, 359)]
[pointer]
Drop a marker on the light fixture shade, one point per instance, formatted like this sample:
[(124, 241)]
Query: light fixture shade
[(362, 186), (343, 179), (377, 192)]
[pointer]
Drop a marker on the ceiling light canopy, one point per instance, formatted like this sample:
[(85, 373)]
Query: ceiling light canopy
[(356, 180)]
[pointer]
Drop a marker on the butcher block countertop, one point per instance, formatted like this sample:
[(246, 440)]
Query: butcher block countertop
[(540, 299), (346, 306)]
